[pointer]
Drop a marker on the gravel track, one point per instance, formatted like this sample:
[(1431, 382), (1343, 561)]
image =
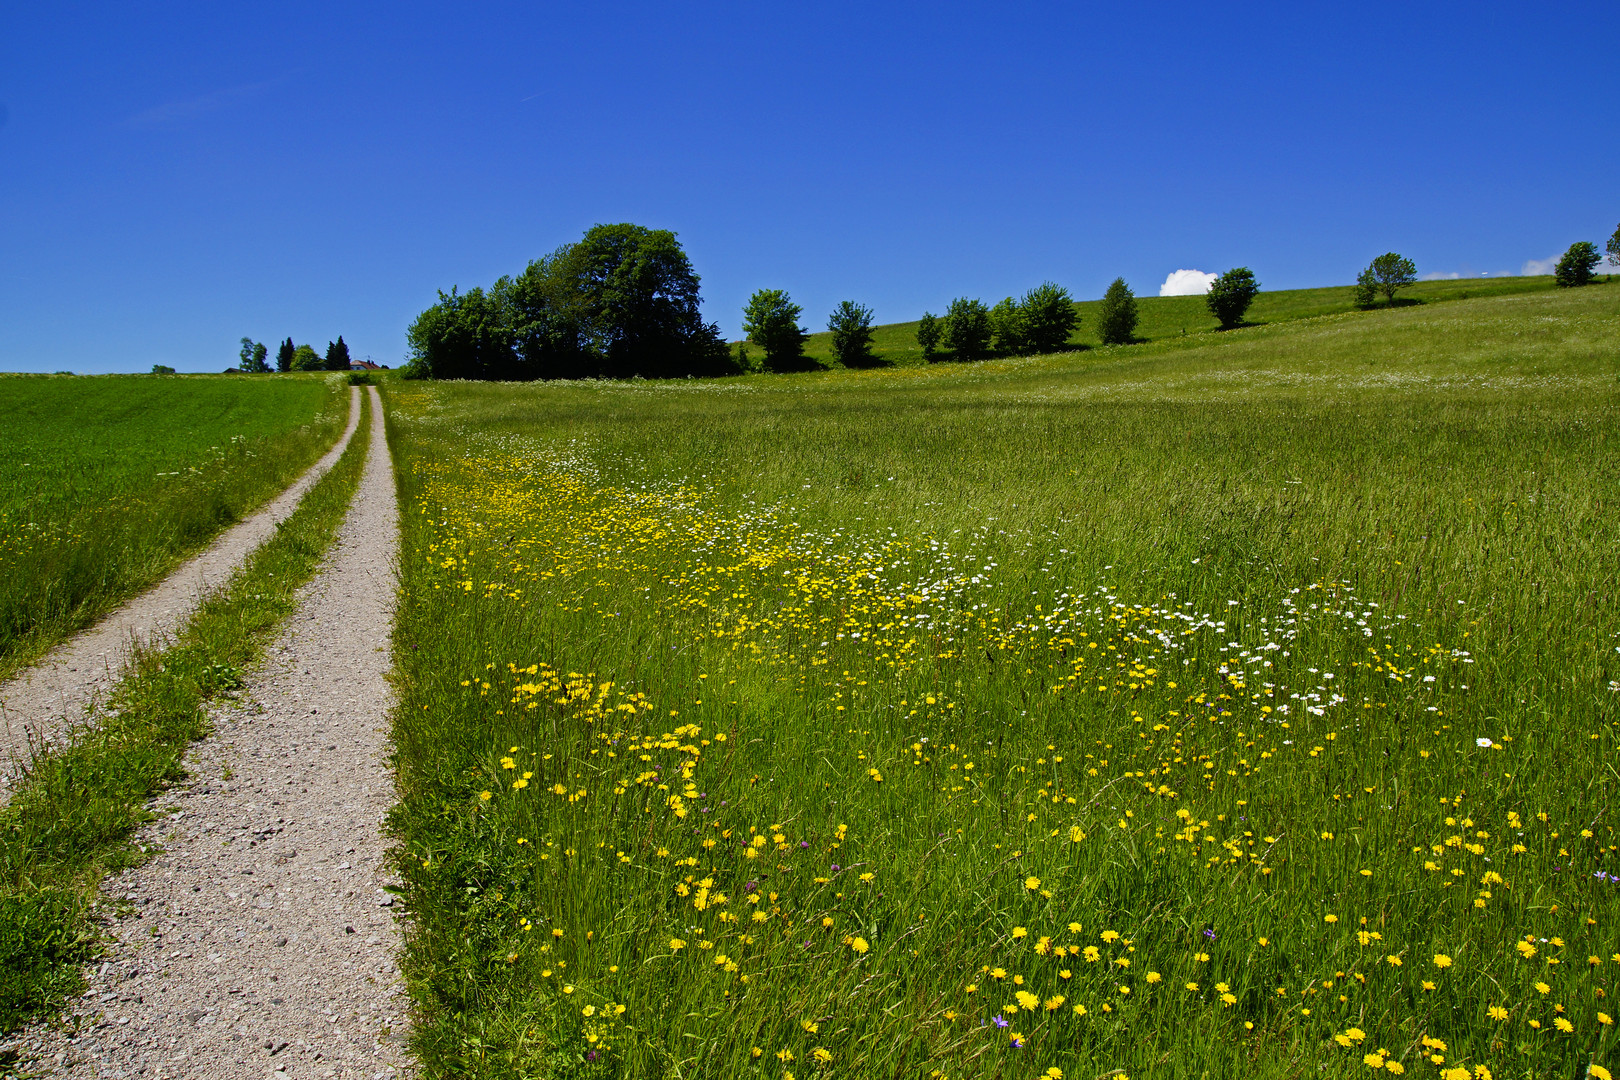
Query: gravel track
[(61, 689), (260, 942)]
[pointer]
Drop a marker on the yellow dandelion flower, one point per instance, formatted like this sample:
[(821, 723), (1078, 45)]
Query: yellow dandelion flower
[(859, 945), (1441, 960)]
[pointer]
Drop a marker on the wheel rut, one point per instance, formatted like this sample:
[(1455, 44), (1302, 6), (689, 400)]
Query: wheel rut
[(50, 696), (260, 941)]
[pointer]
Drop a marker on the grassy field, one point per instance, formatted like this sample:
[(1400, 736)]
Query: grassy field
[(1177, 316), (108, 482), (1242, 704)]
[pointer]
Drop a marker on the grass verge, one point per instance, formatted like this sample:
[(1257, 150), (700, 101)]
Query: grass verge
[(73, 814)]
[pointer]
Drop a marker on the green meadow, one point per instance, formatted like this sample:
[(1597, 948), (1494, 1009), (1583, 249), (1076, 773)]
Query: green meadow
[(108, 482), (1230, 704)]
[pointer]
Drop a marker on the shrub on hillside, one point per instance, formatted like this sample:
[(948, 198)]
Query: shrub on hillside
[(928, 333), (1230, 295), (967, 329), (1577, 265), (771, 321), (851, 326), (1116, 317), (1049, 317)]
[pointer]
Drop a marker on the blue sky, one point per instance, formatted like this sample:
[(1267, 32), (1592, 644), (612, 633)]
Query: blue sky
[(173, 177)]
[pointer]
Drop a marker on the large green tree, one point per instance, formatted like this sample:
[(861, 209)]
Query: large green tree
[(1614, 247), (637, 296), (771, 321), (251, 356), (1230, 295), (464, 336)]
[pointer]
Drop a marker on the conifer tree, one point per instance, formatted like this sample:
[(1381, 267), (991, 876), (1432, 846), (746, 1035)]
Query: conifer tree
[(284, 355)]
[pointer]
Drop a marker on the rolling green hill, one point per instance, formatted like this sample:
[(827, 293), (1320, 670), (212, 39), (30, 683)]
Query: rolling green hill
[(1175, 316)]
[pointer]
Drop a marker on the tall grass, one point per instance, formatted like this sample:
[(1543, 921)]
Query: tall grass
[(108, 482), (1241, 708)]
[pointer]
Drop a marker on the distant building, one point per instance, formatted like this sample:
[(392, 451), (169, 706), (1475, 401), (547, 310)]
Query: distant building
[(366, 365)]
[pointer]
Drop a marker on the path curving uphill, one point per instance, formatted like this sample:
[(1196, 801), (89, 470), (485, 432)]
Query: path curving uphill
[(260, 942), (53, 694)]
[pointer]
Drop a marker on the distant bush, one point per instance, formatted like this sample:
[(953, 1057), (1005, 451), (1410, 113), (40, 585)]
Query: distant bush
[(851, 326), (162, 369), (928, 333), (967, 329), (1577, 265), (1049, 317), (1230, 295), (1116, 318), (771, 321), (307, 359), (1007, 329)]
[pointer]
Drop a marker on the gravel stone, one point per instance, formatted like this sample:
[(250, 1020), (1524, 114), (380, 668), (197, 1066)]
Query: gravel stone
[(261, 942)]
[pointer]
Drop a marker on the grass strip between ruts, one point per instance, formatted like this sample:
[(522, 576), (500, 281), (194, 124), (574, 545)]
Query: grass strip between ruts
[(72, 819)]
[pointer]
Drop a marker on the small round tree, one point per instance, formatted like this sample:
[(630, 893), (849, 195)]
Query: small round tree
[(1614, 247), (1116, 318), (851, 326), (967, 328), (1049, 317), (771, 321), (1391, 272), (1577, 265), (1230, 295)]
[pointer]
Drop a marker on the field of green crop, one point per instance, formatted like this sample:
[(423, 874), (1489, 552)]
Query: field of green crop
[(108, 482), (1236, 705), (1176, 316)]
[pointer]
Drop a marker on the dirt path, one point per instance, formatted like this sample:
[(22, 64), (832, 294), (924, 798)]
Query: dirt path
[(260, 943), (49, 696)]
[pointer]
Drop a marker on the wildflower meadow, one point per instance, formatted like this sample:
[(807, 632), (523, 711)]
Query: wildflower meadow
[(1237, 706)]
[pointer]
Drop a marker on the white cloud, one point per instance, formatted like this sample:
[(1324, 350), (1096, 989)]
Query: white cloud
[(1187, 283), (1533, 267), (1435, 275)]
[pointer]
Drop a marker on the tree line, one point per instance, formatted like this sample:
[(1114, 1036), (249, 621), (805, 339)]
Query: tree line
[(620, 302), (254, 357)]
